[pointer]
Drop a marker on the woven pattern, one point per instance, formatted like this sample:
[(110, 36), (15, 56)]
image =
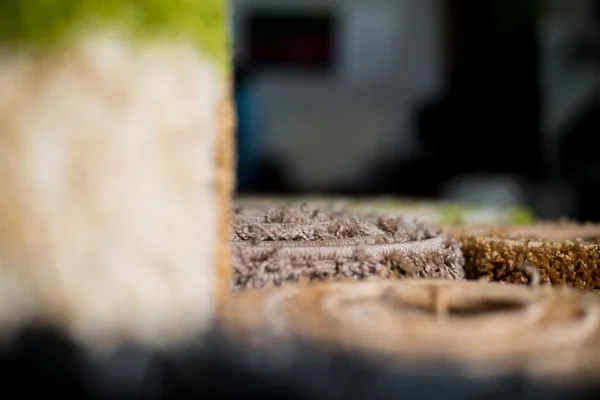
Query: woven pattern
[(488, 328)]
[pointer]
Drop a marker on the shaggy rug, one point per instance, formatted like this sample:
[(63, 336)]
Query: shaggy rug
[(276, 245)]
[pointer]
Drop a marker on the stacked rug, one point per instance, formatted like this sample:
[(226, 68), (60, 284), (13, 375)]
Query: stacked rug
[(116, 255), (443, 312), (512, 249), (328, 303)]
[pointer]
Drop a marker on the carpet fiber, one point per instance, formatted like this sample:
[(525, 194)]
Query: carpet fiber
[(561, 253), (272, 246)]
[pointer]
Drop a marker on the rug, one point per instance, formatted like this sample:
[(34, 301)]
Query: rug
[(485, 329), (547, 253), (291, 244), (117, 163)]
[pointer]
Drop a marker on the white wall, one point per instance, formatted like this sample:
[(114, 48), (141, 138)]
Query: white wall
[(332, 129)]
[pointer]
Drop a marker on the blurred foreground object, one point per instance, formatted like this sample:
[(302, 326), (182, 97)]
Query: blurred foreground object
[(486, 328), (116, 165)]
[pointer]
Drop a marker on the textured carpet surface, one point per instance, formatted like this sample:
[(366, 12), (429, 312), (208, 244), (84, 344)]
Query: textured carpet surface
[(276, 245), (561, 253)]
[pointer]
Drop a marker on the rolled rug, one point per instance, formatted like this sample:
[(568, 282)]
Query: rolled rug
[(290, 244), (486, 329), (560, 253), (116, 164)]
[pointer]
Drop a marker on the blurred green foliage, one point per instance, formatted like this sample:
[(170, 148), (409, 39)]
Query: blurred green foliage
[(43, 23)]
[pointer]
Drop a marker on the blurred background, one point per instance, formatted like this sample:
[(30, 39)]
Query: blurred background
[(487, 102)]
